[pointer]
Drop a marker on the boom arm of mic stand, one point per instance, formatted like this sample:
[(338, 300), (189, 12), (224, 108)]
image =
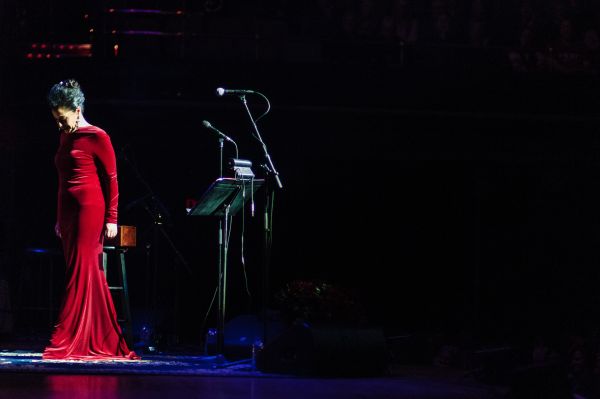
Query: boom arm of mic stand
[(264, 146), (156, 209)]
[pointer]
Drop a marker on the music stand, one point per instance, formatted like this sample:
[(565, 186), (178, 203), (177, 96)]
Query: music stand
[(224, 198)]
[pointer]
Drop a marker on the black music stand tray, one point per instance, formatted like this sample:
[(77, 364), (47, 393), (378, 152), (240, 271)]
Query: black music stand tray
[(224, 198)]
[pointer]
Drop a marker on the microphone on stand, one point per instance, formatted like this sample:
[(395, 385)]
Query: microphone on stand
[(225, 92), (214, 129)]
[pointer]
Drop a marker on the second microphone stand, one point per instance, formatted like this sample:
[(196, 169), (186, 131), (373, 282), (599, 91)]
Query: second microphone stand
[(159, 216), (221, 199)]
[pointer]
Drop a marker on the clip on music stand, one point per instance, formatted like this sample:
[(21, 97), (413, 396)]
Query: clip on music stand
[(224, 198)]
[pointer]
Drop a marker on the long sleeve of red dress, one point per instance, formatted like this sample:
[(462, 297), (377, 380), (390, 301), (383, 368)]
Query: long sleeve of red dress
[(104, 153), (88, 195)]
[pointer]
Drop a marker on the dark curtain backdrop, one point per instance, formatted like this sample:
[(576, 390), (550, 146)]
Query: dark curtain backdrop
[(444, 201)]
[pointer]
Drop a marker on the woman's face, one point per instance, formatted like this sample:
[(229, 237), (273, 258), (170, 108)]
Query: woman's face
[(66, 119)]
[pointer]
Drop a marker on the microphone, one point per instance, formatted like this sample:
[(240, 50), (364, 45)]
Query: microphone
[(214, 129), (225, 92)]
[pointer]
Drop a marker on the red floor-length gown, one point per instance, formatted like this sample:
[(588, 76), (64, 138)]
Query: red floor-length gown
[(87, 326)]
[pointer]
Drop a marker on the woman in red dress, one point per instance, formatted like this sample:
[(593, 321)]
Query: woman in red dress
[(88, 193)]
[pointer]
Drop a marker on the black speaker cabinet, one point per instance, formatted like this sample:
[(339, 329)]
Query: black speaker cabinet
[(546, 381), (334, 351)]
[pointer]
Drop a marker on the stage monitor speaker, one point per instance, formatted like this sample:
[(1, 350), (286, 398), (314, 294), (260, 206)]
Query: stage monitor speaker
[(240, 334), (547, 381), (327, 351)]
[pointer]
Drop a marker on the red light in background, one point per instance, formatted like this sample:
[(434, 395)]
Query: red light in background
[(58, 50)]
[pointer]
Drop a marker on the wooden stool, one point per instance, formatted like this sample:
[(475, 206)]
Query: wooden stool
[(124, 240)]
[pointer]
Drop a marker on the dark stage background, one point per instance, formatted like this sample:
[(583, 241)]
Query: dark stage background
[(447, 192)]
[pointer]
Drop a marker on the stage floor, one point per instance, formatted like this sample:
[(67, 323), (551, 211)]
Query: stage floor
[(24, 375)]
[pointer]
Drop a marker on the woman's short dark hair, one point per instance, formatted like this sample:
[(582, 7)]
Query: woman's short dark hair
[(66, 93)]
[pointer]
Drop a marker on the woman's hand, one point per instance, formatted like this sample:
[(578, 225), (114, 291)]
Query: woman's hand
[(57, 230), (111, 230)]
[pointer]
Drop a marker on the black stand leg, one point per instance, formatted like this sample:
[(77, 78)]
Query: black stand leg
[(222, 286), (220, 359), (266, 261)]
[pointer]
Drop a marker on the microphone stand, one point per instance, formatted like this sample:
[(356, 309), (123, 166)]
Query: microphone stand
[(220, 344), (159, 215), (223, 244), (273, 171), (221, 140), (269, 202)]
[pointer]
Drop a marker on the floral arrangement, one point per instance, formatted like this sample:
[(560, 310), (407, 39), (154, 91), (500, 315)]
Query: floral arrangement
[(316, 301)]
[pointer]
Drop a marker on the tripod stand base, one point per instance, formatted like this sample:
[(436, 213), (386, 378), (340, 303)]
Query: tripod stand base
[(220, 362)]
